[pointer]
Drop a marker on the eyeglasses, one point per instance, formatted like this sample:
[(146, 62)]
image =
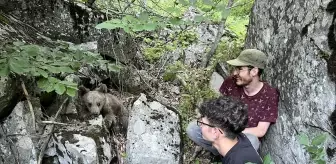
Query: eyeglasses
[(199, 123)]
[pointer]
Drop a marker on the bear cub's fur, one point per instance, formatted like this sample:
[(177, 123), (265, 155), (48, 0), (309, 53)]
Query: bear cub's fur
[(99, 101)]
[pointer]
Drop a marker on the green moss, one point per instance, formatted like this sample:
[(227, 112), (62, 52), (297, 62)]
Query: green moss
[(185, 38), (227, 49), (153, 54), (195, 90)]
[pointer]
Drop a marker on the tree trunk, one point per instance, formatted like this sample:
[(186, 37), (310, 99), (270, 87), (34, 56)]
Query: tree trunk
[(295, 36)]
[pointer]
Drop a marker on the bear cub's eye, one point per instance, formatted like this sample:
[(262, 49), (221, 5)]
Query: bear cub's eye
[(90, 104), (98, 104)]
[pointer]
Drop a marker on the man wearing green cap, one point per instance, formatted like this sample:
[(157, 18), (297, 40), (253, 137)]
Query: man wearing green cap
[(246, 85)]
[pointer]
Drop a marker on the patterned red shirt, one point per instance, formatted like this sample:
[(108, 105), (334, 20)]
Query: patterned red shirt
[(262, 107)]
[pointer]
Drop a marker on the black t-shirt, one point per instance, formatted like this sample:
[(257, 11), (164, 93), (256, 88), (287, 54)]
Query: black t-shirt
[(242, 153)]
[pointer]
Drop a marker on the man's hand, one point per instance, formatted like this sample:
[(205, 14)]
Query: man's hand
[(258, 131)]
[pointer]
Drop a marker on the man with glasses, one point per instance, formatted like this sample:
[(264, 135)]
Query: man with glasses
[(246, 84), (222, 121)]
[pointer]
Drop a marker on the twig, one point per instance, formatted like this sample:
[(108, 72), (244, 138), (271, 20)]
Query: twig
[(218, 37), (31, 136), (325, 130), (162, 66), (53, 122), (45, 144), (142, 77), (29, 104)]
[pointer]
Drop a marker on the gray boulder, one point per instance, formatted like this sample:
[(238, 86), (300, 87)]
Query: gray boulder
[(18, 139), (88, 144), (153, 134)]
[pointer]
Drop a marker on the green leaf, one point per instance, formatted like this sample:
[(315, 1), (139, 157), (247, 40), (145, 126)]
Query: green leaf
[(4, 69), (175, 21), (53, 80), (111, 24), (197, 161), (18, 43), (268, 159), (66, 69), (129, 19), (143, 16), (150, 26), (32, 50), (303, 139), (68, 83), (173, 10), (199, 18), (42, 72), (71, 92), (51, 68), (183, 2), (138, 27), (192, 2), (318, 140), (16, 66), (321, 161), (59, 88), (312, 149), (43, 83), (114, 67), (208, 2), (225, 13), (64, 63)]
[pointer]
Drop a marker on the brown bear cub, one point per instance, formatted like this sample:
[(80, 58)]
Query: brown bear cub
[(99, 101)]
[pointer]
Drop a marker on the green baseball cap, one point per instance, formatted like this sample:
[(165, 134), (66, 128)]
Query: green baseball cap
[(250, 57)]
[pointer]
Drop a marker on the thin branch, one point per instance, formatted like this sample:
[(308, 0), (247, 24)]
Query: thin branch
[(29, 104), (217, 39), (45, 144), (325, 130), (53, 122), (169, 57), (128, 5), (142, 77)]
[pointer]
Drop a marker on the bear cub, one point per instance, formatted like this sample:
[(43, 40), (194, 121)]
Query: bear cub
[(99, 101)]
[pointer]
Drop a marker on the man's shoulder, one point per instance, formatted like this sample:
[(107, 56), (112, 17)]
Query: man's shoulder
[(243, 152), (268, 89), (243, 157)]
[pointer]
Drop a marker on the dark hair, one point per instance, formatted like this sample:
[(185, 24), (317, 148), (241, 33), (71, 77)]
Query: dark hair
[(260, 71), (226, 113)]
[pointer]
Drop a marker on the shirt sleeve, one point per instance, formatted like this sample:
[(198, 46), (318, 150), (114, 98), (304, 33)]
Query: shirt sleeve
[(270, 113), (226, 85)]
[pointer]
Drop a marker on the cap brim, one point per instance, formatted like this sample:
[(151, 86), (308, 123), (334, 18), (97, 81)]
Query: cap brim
[(237, 62)]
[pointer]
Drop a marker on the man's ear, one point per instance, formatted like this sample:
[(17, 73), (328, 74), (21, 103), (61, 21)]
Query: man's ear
[(254, 71), (82, 90), (103, 88)]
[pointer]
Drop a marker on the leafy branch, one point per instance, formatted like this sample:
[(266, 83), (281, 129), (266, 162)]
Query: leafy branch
[(315, 147), (48, 65)]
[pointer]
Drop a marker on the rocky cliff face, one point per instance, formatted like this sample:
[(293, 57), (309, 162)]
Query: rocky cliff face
[(296, 36)]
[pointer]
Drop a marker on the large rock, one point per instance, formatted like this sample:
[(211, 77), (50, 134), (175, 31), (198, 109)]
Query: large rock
[(9, 96), (17, 141), (153, 134), (295, 36), (89, 144), (216, 82)]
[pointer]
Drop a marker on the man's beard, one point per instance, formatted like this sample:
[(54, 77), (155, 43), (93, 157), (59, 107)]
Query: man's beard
[(242, 81)]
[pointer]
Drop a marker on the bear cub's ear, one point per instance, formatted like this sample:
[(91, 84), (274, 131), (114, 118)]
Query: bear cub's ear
[(82, 90), (102, 88)]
